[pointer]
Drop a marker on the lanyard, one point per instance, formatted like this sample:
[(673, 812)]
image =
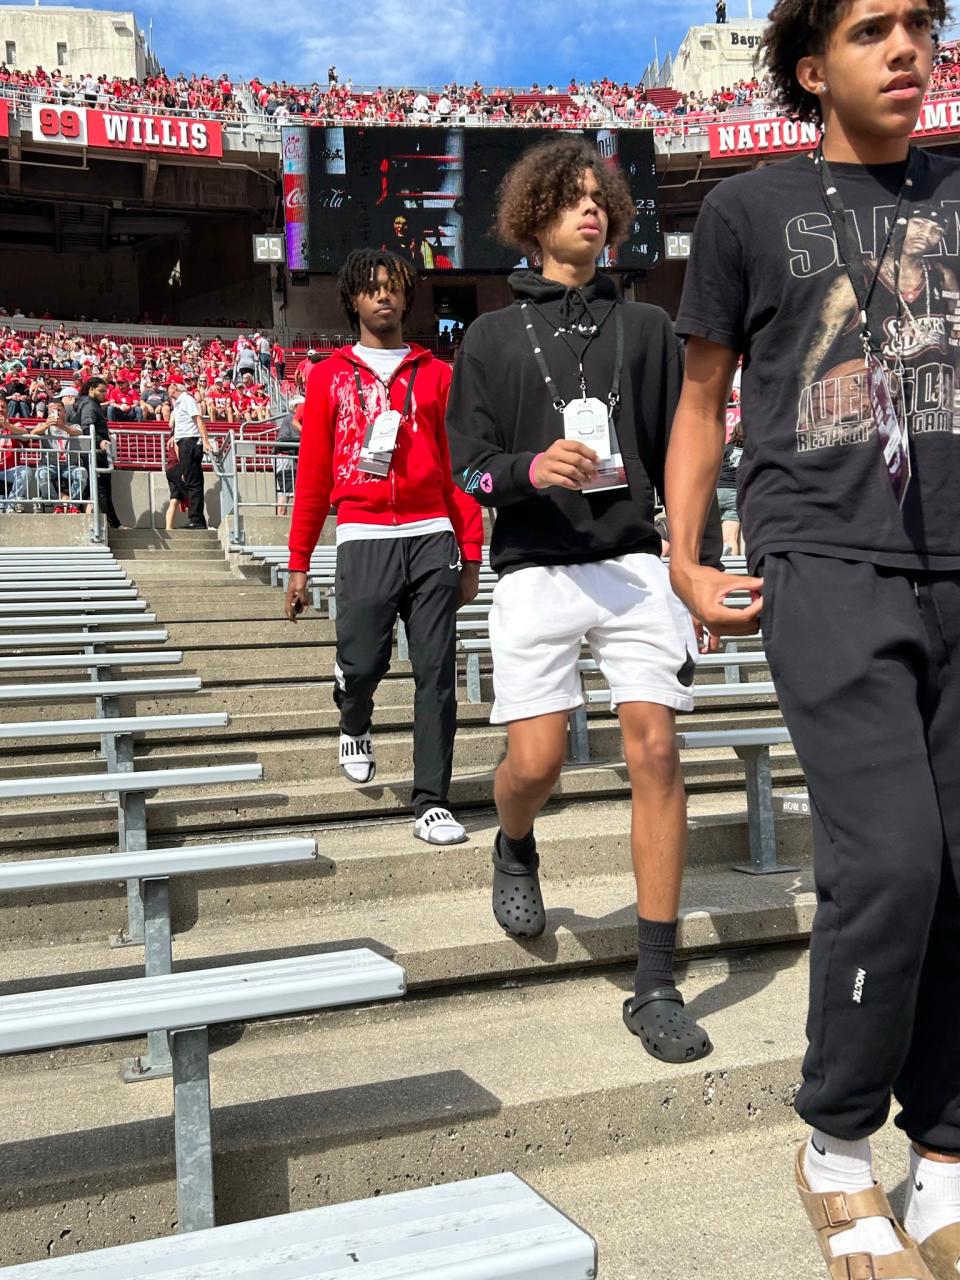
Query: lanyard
[(613, 399), (408, 400), (850, 252)]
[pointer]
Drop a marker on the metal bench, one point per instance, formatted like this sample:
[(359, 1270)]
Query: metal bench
[(120, 726), (78, 593), (85, 606), (131, 789), (74, 691), (753, 748), (82, 639), (49, 661), (184, 1005), (152, 869), (493, 1228), (78, 618)]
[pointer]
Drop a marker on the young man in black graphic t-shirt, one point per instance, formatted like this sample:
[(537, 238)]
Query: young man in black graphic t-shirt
[(861, 582)]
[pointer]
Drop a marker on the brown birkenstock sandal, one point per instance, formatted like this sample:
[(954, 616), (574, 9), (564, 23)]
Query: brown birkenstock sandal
[(941, 1252), (833, 1212)]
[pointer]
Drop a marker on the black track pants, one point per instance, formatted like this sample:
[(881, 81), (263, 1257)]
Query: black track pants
[(416, 579), (867, 668)]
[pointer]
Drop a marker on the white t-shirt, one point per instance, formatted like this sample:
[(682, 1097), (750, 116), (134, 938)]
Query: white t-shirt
[(184, 412), (384, 363)]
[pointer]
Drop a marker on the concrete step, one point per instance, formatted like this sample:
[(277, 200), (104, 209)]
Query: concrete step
[(44, 823), (530, 1077), (364, 863), (120, 539), (444, 939), (179, 553), (711, 1188)]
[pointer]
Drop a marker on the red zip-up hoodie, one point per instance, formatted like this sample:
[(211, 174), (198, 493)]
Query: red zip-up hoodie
[(420, 483)]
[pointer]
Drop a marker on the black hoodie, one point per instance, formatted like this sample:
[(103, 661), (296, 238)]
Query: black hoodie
[(500, 416)]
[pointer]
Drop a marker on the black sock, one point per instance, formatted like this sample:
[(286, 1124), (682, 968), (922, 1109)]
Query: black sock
[(656, 944), (522, 850)]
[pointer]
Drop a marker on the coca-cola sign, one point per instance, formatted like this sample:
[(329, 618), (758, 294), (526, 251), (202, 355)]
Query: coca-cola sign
[(296, 198)]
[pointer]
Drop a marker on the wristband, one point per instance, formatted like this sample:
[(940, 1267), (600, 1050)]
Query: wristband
[(533, 467)]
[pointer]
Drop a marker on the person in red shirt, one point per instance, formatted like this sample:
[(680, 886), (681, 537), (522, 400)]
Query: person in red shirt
[(123, 403), (305, 368), (220, 401), (253, 400), (409, 543)]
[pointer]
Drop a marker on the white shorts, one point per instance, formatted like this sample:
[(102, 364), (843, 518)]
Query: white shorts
[(640, 634)]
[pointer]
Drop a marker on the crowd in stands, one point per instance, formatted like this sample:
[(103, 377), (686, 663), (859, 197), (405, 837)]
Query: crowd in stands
[(202, 95), (227, 379)]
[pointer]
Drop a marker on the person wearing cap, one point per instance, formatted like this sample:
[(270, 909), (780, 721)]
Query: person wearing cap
[(303, 369), (221, 399), (154, 401), (285, 452), (191, 442)]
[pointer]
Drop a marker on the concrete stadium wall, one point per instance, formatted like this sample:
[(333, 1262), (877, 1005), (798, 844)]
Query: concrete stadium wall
[(101, 42), (717, 55)]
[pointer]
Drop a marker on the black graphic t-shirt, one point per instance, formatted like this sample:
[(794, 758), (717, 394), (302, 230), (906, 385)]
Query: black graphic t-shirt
[(765, 278)]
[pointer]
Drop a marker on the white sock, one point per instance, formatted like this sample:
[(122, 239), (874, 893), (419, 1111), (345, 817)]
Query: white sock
[(933, 1196), (832, 1164)]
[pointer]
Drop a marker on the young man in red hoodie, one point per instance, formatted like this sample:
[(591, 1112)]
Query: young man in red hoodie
[(409, 543)]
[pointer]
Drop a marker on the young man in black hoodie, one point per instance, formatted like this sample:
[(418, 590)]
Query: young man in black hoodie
[(835, 274), (558, 418)]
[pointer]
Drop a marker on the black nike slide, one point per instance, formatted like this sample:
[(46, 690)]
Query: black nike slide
[(517, 903), (657, 1018)]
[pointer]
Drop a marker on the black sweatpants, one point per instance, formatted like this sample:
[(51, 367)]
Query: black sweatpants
[(418, 580), (866, 662), (105, 498), (191, 469)]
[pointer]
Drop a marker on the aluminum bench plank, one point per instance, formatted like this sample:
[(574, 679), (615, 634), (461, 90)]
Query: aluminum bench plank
[(733, 738), (138, 780), (493, 1228), (55, 575), (97, 689), (99, 725), (78, 618), (708, 692), (42, 661), (78, 639), (63, 1016), (103, 868), (93, 606), (92, 548), (69, 593)]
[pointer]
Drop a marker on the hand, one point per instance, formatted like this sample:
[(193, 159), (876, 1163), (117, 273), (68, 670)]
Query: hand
[(703, 590), (567, 464), (706, 643), (296, 599), (469, 581)]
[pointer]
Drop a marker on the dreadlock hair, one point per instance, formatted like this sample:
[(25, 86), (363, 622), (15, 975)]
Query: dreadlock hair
[(359, 275), (799, 28)]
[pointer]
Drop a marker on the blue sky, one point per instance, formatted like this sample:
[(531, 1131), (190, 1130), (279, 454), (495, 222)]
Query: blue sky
[(401, 41)]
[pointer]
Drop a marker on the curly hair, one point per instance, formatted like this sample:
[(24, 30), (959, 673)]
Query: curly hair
[(359, 275), (547, 180), (798, 28)]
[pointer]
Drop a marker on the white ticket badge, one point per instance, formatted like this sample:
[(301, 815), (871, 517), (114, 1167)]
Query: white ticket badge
[(381, 439), (588, 421), (891, 428), (382, 436)]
